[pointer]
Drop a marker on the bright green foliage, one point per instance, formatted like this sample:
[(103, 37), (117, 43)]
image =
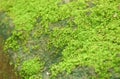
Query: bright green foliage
[(30, 68), (29, 10), (82, 33)]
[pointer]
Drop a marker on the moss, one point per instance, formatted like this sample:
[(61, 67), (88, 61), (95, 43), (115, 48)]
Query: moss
[(31, 67), (79, 33)]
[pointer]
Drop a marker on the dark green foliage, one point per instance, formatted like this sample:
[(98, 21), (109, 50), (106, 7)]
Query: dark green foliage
[(6, 25)]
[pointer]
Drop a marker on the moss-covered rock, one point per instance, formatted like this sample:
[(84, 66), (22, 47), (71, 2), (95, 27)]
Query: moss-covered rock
[(66, 36)]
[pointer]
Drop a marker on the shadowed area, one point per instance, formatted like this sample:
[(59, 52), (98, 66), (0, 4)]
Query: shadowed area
[(6, 70)]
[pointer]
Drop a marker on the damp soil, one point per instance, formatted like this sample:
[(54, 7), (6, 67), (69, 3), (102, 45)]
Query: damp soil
[(6, 70)]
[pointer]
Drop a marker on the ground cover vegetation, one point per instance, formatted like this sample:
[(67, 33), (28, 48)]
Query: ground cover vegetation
[(64, 39)]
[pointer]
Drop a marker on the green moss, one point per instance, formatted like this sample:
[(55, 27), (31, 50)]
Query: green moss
[(81, 33), (31, 67)]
